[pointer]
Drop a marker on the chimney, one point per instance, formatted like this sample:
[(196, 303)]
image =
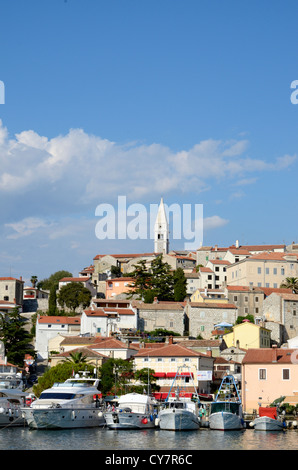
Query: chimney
[(170, 339), (274, 353), (237, 244), (209, 352)]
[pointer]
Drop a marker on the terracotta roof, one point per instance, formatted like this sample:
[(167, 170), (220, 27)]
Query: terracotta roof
[(219, 261), (158, 305), (75, 279), (109, 343), (10, 279), (270, 290), (274, 256), (293, 297), (129, 255), (263, 247), (60, 320), (244, 289), (206, 270), (84, 340), (267, 356), (239, 251), (120, 311), (212, 305), (171, 350), (97, 312), (86, 351)]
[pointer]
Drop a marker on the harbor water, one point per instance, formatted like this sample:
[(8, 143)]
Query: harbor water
[(104, 439)]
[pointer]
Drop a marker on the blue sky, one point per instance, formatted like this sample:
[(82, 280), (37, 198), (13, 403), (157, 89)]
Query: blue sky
[(186, 100)]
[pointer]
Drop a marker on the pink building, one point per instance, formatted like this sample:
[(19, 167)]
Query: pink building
[(118, 285), (268, 374)]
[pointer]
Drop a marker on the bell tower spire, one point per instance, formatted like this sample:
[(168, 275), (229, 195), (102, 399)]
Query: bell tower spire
[(161, 231)]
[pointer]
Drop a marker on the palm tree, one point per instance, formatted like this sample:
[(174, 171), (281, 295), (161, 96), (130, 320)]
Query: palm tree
[(33, 280), (76, 358), (290, 283)]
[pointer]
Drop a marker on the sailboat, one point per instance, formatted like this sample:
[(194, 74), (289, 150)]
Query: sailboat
[(226, 414), (180, 413)]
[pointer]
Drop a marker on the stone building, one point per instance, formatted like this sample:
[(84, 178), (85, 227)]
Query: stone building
[(203, 316), (164, 315), (282, 309), (11, 290)]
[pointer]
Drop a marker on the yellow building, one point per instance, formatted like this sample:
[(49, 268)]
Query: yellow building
[(248, 335), (209, 296)]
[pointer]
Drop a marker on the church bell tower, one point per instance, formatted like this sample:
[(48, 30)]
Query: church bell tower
[(161, 231)]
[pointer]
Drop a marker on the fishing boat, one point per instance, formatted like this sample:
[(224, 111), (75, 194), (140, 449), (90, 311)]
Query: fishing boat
[(268, 420), (74, 403), (134, 411), (226, 414), (12, 398), (180, 413)]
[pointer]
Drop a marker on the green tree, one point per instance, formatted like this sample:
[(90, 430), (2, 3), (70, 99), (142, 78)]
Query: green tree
[(115, 374), (180, 282), (58, 373), (290, 283), (141, 280), (147, 378), (17, 341), (54, 279), (162, 280), (73, 295), (53, 300), (116, 271)]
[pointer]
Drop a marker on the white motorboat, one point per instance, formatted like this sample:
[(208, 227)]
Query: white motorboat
[(227, 414), (134, 411), (74, 403), (180, 413), (12, 398), (268, 420)]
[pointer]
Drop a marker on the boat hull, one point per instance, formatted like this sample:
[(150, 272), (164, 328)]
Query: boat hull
[(129, 420), (11, 418), (265, 423), (225, 421), (178, 420), (63, 418)]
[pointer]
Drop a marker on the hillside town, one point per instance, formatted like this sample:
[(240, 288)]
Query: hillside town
[(238, 316)]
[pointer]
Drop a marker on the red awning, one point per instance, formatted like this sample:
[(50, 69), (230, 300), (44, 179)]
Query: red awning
[(160, 374), (182, 374)]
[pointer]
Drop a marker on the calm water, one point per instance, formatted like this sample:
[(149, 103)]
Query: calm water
[(153, 439)]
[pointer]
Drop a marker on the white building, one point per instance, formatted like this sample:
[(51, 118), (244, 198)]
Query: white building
[(47, 327), (107, 320)]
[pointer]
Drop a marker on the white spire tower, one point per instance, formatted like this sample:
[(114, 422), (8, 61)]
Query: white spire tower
[(161, 231)]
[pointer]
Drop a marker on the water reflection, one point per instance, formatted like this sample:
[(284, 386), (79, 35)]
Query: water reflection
[(151, 439)]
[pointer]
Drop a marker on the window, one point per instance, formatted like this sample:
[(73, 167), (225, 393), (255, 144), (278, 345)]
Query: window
[(202, 314), (202, 328), (262, 374), (6, 297), (246, 310), (274, 270), (173, 359), (245, 299), (6, 287), (267, 270), (257, 299), (286, 374), (171, 324), (159, 359), (282, 271), (216, 268), (259, 270), (146, 359), (235, 298)]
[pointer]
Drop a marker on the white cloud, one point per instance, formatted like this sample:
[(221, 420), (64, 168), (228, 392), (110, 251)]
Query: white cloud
[(26, 227), (213, 222), (66, 173)]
